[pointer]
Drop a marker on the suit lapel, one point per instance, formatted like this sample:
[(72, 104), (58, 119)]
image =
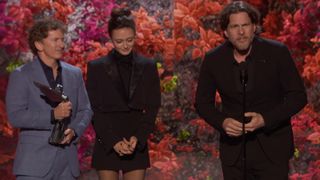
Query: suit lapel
[(66, 81), (258, 52), (111, 70), (37, 72), (257, 60), (136, 74)]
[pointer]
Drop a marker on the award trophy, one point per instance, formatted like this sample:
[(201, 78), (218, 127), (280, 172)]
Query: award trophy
[(57, 96)]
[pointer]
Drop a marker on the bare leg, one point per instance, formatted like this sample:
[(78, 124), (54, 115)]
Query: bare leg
[(108, 175), (135, 174)]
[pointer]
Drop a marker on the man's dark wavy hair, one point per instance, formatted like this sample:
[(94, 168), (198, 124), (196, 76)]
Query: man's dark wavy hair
[(237, 7), (40, 30)]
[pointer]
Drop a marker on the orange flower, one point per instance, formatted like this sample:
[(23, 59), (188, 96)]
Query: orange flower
[(256, 3), (203, 126), (311, 68), (272, 25), (167, 22), (314, 138), (196, 53), (5, 127), (182, 9), (185, 148), (189, 21), (169, 47), (197, 8), (62, 10), (161, 127), (98, 50), (177, 114), (213, 7), (150, 38), (36, 6), (208, 40), (316, 40), (20, 14), (214, 39), (161, 154)]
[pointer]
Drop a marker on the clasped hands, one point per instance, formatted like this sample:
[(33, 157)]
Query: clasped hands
[(126, 147), (233, 127)]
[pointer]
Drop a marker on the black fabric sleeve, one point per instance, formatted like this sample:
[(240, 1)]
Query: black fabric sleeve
[(152, 106), (205, 97)]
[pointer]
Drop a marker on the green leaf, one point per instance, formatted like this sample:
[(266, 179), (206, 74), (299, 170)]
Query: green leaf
[(13, 65)]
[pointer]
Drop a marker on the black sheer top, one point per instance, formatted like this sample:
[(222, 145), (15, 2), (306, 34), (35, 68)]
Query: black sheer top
[(124, 64)]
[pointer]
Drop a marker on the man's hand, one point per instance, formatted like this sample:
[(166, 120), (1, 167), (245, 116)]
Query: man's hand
[(69, 134), (256, 122), (63, 110), (232, 127)]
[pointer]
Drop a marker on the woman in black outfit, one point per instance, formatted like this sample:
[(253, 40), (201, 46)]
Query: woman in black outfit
[(124, 91)]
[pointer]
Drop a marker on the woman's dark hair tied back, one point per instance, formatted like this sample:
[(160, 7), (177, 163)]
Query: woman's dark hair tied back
[(120, 12), (121, 18)]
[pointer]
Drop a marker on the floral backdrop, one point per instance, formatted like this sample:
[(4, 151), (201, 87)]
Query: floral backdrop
[(177, 34)]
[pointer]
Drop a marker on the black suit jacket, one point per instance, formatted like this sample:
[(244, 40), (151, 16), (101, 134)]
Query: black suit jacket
[(274, 89), (106, 93)]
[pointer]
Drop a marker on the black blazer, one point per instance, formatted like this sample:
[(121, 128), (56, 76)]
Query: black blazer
[(274, 89), (106, 93)]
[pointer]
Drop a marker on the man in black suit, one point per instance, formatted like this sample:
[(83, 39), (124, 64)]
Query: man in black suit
[(274, 92)]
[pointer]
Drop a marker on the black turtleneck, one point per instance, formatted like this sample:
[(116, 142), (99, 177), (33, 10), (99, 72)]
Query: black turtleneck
[(124, 63)]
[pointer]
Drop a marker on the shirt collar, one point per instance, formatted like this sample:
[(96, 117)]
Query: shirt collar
[(46, 67)]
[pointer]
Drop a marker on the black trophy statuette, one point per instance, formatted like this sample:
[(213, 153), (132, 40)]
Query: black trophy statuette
[(55, 95), (57, 133)]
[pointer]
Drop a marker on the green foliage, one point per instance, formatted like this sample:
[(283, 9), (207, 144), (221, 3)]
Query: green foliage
[(183, 135), (13, 65), (169, 85), (296, 153)]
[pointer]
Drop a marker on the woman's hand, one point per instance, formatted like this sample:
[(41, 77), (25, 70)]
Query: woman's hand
[(132, 143), (122, 148)]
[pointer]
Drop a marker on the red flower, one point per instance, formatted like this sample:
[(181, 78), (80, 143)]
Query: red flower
[(314, 138), (197, 53), (5, 127), (184, 148), (177, 114)]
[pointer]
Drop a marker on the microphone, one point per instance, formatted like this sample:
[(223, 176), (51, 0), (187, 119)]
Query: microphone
[(243, 73)]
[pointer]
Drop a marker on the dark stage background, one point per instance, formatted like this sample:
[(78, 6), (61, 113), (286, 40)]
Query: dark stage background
[(176, 33)]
